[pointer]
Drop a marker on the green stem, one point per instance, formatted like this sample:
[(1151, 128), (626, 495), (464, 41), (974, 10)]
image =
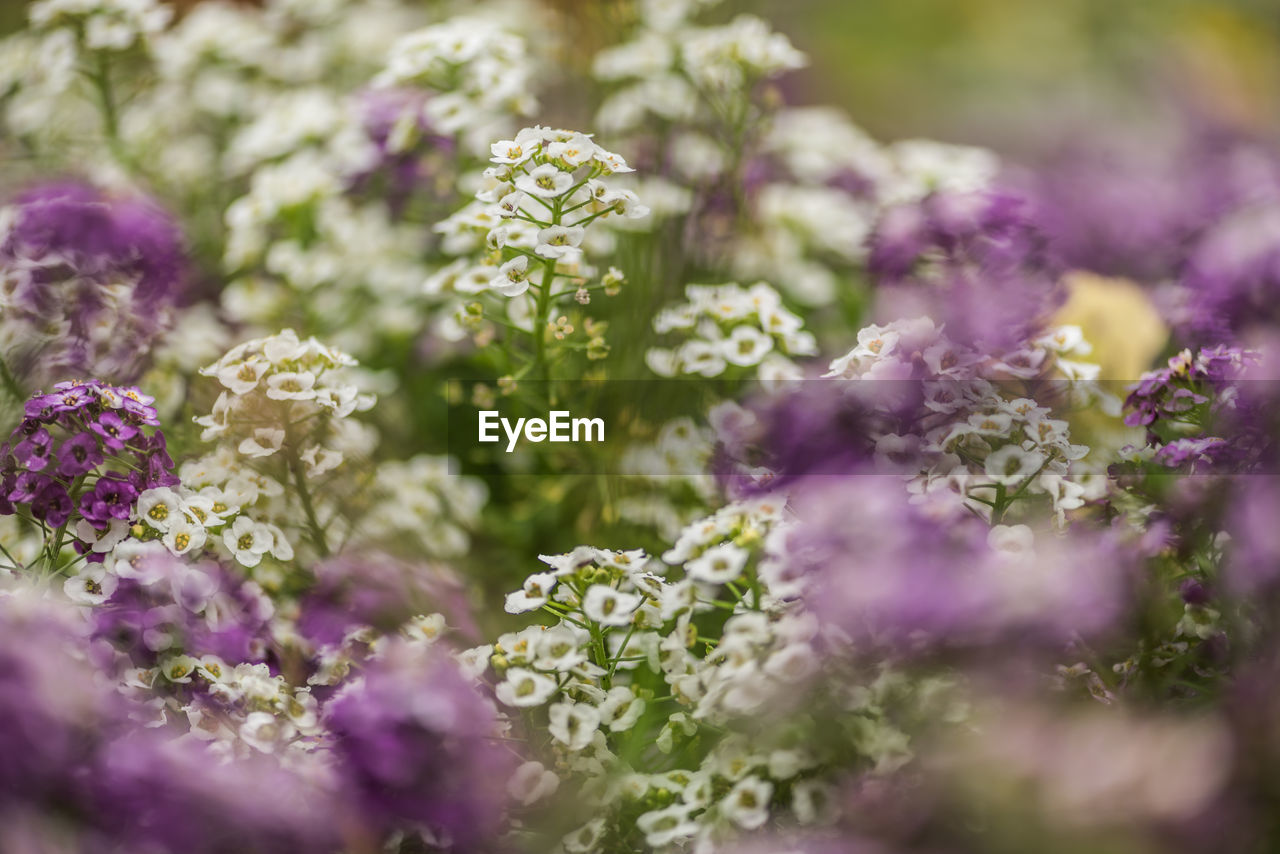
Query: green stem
[(304, 497)]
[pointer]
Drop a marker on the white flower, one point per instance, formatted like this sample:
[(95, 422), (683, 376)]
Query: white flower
[(509, 151), (532, 782), (1011, 465), (92, 586), (320, 460), (137, 559), (609, 607), (248, 541), (574, 151), (525, 688), (570, 562), (745, 346), (665, 826), (718, 564), (261, 731), (810, 801), (243, 377), (573, 724), (102, 541), (533, 595), (513, 277), (559, 241), (558, 648), (792, 663), (621, 709), (701, 357), (1011, 540), (584, 839), (747, 804), (159, 508), (183, 536), (545, 182), (179, 669), (264, 442), (291, 385)]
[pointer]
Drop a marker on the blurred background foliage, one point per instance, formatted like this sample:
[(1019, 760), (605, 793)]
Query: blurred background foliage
[(1018, 76)]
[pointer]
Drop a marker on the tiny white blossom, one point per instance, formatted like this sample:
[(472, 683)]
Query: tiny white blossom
[(718, 564), (573, 724), (609, 607), (747, 804), (523, 688), (92, 586), (532, 782), (533, 595), (545, 182)]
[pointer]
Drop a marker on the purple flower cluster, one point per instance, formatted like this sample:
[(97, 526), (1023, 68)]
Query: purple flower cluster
[(74, 758), (91, 279), (1202, 393), (166, 606), (82, 452), (978, 262), (1135, 208), (415, 745), (924, 574), (377, 591)]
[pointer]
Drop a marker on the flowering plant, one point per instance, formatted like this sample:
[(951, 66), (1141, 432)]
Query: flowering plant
[(890, 557)]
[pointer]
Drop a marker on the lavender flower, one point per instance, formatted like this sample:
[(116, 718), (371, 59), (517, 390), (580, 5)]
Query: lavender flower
[(414, 744), (380, 592), (163, 605), (89, 282), (978, 262), (926, 574)]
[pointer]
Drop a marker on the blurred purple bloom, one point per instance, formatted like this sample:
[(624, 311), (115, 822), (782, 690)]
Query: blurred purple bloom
[(101, 273), (977, 262), (414, 745), (924, 573), (381, 592)]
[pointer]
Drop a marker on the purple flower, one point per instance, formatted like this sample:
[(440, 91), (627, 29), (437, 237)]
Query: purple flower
[(53, 505), (978, 262), (927, 574), (413, 743), (112, 497), (33, 452), (69, 244), (177, 796), (27, 486), (114, 430), (78, 455), (378, 591)]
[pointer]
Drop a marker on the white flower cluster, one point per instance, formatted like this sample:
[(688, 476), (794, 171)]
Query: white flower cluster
[(545, 187), (479, 72), (421, 500), (978, 438), (732, 325), (287, 401), (663, 68), (106, 24), (730, 56), (279, 389), (246, 709), (623, 623), (213, 505)]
